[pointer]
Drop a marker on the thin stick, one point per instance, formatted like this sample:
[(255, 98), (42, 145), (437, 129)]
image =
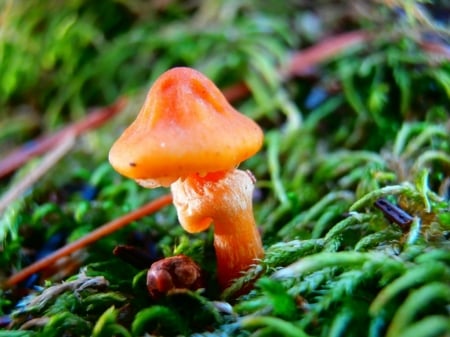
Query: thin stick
[(97, 234), (22, 154), (48, 161), (303, 61)]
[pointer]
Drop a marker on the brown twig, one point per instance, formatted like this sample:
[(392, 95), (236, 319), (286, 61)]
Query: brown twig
[(97, 234), (437, 49), (43, 144), (301, 62), (394, 213)]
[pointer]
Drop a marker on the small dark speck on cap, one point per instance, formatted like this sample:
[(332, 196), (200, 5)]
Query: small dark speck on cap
[(133, 164)]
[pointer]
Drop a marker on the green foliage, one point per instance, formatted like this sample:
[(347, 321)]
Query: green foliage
[(334, 264), (278, 301), (158, 318), (62, 57), (107, 326)]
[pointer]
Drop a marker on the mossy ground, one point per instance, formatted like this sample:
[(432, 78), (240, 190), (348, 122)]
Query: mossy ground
[(363, 122)]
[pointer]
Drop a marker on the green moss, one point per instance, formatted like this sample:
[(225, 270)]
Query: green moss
[(371, 122)]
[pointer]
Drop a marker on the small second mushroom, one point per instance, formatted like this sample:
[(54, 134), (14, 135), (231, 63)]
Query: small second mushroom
[(187, 136)]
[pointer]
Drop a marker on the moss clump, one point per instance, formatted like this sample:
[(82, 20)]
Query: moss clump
[(369, 122)]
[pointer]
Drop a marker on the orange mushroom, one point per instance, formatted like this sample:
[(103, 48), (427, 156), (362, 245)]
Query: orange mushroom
[(188, 136)]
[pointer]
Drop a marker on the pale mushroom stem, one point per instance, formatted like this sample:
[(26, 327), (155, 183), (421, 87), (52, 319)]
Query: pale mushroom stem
[(226, 200)]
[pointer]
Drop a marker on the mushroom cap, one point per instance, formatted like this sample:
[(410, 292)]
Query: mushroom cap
[(185, 127)]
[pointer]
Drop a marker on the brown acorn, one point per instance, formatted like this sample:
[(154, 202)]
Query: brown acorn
[(176, 272)]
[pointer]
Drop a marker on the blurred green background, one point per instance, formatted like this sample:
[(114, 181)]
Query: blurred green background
[(363, 121)]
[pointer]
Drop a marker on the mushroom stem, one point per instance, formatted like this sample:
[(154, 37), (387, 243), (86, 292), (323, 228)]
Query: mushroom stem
[(233, 254), (224, 198)]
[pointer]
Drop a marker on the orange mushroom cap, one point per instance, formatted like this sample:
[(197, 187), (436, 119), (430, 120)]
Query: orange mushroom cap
[(185, 127)]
